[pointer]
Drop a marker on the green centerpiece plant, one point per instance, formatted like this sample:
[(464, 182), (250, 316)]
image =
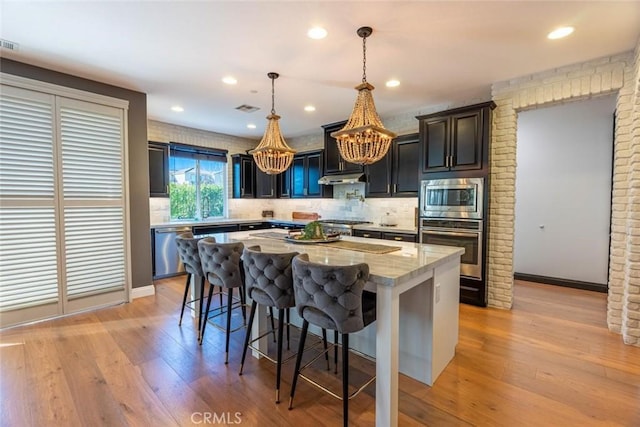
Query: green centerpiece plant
[(313, 231)]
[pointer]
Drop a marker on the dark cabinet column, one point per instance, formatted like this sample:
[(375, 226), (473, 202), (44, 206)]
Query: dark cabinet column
[(466, 141), (243, 176), (333, 163), (158, 169), (306, 170), (435, 134), (265, 185), (379, 177), (405, 168)]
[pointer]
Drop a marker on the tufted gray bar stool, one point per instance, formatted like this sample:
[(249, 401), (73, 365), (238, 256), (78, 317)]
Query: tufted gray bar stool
[(268, 282), (188, 250), (332, 297), (222, 266)]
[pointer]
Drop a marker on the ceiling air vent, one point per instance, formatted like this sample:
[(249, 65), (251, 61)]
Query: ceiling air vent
[(247, 108), (6, 44)]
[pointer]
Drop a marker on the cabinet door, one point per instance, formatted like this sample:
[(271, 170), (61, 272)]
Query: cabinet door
[(284, 184), (265, 185), (466, 141), (158, 170), (243, 176), (406, 166), (298, 188), (313, 174), (367, 234), (333, 162), (379, 177), (400, 237), (435, 143)]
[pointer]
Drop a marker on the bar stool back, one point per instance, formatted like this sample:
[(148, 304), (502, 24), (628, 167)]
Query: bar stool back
[(269, 282), (187, 246), (222, 266), (332, 297)]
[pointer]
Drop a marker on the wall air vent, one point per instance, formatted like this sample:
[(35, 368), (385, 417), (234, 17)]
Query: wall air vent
[(9, 45), (247, 108)]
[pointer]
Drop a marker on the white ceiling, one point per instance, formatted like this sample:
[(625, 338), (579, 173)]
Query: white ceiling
[(444, 53)]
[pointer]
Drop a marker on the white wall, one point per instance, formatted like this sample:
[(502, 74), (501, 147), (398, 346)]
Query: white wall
[(563, 190)]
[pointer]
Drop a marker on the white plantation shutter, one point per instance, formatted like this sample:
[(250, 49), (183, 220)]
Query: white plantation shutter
[(92, 143), (29, 274), (94, 245), (62, 205)]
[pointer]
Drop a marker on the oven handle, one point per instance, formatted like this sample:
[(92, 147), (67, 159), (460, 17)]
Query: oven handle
[(451, 233)]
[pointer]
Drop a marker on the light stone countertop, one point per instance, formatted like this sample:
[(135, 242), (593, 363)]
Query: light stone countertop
[(226, 221), (390, 269)]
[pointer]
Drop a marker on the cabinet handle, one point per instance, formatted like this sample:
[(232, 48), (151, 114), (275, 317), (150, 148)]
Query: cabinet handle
[(242, 191), (366, 235), (304, 191), (446, 161), (397, 238), (388, 188), (395, 188), (166, 189), (272, 191), (450, 161)]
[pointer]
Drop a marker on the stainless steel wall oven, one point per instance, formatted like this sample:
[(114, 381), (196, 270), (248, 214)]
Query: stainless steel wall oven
[(451, 214)]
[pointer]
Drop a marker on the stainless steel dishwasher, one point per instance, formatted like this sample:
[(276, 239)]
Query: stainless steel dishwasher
[(166, 258)]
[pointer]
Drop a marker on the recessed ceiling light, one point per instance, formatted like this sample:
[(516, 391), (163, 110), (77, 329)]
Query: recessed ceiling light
[(559, 33), (317, 33), (309, 108), (251, 126), (393, 83), (177, 109), (229, 80)]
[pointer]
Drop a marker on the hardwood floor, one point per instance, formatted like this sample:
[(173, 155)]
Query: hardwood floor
[(548, 362)]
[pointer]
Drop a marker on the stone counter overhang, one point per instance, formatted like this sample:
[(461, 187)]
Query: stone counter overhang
[(391, 269)]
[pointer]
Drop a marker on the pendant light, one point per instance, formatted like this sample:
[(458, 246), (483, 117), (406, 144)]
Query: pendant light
[(273, 155), (363, 140)]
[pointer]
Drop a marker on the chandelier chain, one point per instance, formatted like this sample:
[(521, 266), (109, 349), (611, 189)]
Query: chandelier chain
[(273, 96), (364, 60)]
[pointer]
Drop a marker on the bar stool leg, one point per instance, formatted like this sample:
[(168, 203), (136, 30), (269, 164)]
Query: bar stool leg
[(247, 336), (296, 372), (288, 328), (200, 303), (184, 298), (345, 379), (279, 358), (326, 346), (273, 325), (335, 352), (206, 312), (229, 305)]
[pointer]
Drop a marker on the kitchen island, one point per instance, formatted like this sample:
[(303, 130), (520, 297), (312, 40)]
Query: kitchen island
[(416, 328)]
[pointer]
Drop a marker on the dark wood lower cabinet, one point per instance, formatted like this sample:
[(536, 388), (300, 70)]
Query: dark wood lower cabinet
[(386, 235)]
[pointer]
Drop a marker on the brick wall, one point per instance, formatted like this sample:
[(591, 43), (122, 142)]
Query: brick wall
[(616, 74)]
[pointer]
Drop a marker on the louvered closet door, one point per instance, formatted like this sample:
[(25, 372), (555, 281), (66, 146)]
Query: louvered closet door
[(29, 273), (62, 206), (92, 180)]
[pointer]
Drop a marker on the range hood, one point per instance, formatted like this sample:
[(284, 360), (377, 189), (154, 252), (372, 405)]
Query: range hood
[(349, 178)]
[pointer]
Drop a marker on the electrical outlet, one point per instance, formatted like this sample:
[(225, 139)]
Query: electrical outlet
[(438, 293)]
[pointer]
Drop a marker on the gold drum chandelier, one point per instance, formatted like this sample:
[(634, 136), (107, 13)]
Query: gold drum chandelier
[(273, 155), (363, 140)]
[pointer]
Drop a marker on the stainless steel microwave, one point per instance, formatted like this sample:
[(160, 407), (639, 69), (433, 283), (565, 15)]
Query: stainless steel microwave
[(452, 198)]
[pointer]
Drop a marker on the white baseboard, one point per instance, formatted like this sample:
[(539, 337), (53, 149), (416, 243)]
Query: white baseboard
[(143, 291)]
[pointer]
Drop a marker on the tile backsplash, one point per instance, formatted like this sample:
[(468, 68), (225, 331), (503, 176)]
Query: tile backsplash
[(374, 209)]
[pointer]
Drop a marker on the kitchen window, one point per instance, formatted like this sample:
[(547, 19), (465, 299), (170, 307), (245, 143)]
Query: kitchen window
[(197, 182)]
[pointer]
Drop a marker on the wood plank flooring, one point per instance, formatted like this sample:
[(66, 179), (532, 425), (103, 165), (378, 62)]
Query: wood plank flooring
[(548, 362)]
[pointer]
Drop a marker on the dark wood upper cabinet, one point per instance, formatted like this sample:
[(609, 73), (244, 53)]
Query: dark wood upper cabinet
[(397, 173), (405, 169), (306, 170), (334, 164), (284, 184), (158, 169), (243, 176), (456, 140), (379, 177), (265, 184)]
